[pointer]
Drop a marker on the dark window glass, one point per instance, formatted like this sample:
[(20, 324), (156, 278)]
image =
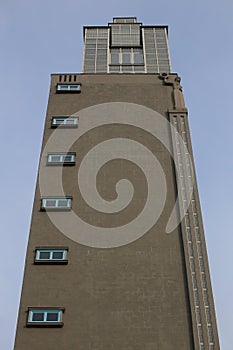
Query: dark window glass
[(62, 203), (63, 87), (50, 203), (44, 255), (38, 316), (58, 255), (52, 316), (55, 158), (59, 121), (68, 159), (74, 87)]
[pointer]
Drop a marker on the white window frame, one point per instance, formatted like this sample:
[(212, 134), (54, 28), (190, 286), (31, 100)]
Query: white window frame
[(65, 122), (50, 251), (68, 87), (45, 312), (62, 158), (56, 206)]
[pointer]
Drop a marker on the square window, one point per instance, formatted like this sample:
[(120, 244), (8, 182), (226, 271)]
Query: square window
[(44, 255), (38, 316), (54, 159), (57, 255), (52, 317), (126, 58), (138, 59), (50, 203), (68, 158)]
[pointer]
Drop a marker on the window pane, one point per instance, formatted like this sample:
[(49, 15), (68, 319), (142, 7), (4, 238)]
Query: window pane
[(74, 87), (139, 69), (68, 87), (67, 158), (114, 58), (124, 50), (63, 203), (114, 68), (37, 316), (71, 121), (63, 87), (55, 158), (52, 317), (127, 68), (57, 255), (126, 58), (44, 255), (138, 58), (50, 203), (58, 121)]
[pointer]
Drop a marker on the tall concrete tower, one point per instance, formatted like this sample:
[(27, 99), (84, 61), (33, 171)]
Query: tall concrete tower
[(116, 258)]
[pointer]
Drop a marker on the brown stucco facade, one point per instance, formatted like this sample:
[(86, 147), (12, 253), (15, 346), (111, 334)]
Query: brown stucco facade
[(136, 296)]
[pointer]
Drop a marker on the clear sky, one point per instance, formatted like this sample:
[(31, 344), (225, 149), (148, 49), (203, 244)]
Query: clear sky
[(42, 37)]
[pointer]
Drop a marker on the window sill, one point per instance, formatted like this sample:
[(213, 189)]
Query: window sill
[(68, 91), (55, 209), (61, 164), (45, 324), (51, 262), (64, 126)]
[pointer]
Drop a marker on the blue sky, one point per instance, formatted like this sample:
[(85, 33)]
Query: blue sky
[(38, 38)]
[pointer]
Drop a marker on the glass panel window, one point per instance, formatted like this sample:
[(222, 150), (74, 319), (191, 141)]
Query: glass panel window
[(50, 202), (58, 255), (62, 203), (138, 58), (43, 255), (50, 254), (125, 35), (115, 69), (38, 316), (126, 58), (68, 87), (64, 122), (127, 68), (70, 121), (52, 317), (61, 158), (68, 158), (54, 159), (44, 316), (115, 58), (55, 203)]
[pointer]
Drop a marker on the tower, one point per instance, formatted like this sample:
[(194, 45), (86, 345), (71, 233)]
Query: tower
[(116, 256)]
